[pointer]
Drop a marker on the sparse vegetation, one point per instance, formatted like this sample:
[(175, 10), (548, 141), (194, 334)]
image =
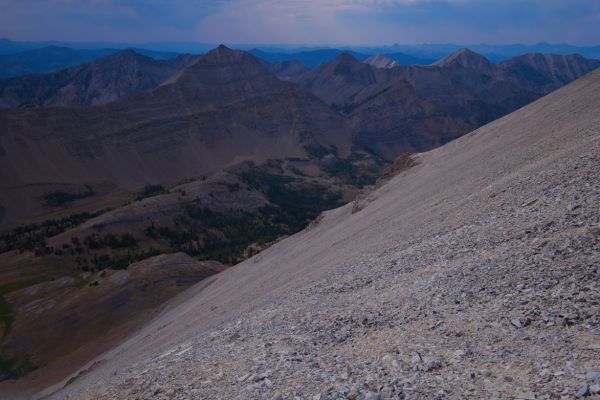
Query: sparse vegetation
[(109, 240), (224, 236), (150, 191), (14, 367), (318, 151), (346, 170), (60, 198), (33, 236)]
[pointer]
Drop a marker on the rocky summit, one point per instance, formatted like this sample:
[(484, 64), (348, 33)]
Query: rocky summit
[(473, 272)]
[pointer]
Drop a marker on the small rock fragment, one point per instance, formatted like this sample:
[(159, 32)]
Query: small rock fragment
[(372, 396), (583, 391), (432, 364), (592, 375)]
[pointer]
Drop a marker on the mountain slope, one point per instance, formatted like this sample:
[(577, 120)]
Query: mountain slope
[(549, 71), (471, 274), (288, 69), (381, 61), (224, 109), (457, 94), (340, 80), (101, 81)]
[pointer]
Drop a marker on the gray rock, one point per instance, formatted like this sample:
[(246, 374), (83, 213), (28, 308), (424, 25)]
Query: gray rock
[(432, 364), (516, 322), (372, 396), (416, 357), (583, 391), (592, 375)]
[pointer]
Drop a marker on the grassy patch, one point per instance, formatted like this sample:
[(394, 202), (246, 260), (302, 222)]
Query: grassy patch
[(60, 198)]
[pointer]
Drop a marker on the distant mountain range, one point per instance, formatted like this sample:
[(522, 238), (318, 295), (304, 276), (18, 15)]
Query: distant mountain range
[(222, 109), (54, 58), (22, 58), (415, 108), (101, 81), (421, 51), (192, 116)]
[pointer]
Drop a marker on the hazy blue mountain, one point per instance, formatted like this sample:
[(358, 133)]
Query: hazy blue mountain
[(407, 59), (97, 82), (311, 59), (8, 46), (53, 58), (494, 53), (46, 59)]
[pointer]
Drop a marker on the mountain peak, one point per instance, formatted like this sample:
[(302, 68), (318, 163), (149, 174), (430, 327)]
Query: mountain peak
[(466, 58), (346, 57), (224, 54)]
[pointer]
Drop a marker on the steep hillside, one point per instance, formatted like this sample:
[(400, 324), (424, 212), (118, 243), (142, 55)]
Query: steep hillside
[(101, 81), (471, 274), (227, 217), (223, 109), (547, 71)]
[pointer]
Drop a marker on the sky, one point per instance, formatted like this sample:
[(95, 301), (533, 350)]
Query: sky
[(310, 22)]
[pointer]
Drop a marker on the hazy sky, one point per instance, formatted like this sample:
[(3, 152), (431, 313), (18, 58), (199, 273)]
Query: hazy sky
[(304, 21)]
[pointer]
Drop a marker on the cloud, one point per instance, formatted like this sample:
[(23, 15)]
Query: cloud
[(303, 21)]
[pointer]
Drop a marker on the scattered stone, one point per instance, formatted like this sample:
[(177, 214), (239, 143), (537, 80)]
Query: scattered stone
[(583, 391), (432, 364), (416, 357), (516, 322), (245, 377), (529, 202), (372, 396), (592, 375)]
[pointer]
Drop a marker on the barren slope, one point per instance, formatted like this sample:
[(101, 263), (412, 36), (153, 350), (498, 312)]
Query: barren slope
[(98, 82), (473, 274)]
